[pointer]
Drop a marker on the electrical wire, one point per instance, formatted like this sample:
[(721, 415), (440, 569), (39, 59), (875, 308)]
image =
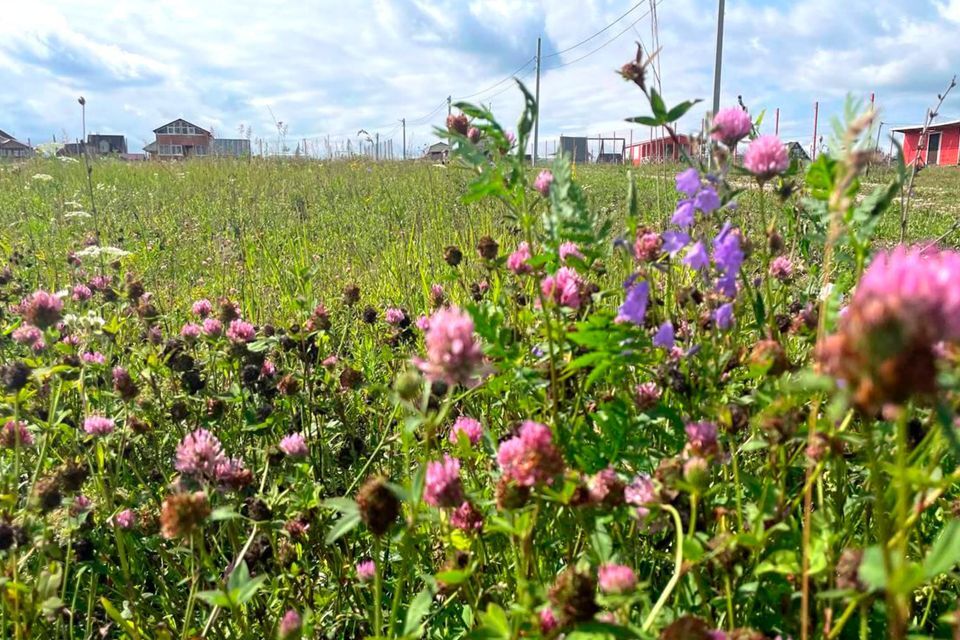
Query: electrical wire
[(507, 78), (587, 55), (586, 40)]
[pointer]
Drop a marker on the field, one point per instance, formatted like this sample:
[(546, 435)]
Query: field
[(257, 399), (269, 233)]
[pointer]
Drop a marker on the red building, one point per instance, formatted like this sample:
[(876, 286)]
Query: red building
[(180, 139), (658, 150), (939, 146)]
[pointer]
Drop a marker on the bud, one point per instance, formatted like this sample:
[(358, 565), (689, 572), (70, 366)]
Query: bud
[(452, 256), (488, 248), (573, 595), (379, 507), (351, 294), (458, 124), (407, 385)]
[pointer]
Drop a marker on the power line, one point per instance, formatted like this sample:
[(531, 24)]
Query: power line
[(494, 86), (587, 55), (586, 40)]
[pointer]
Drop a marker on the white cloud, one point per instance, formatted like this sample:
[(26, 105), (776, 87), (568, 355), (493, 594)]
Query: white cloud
[(330, 68)]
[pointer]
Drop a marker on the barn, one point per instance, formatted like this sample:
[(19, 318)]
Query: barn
[(659, 149), (940, 144)]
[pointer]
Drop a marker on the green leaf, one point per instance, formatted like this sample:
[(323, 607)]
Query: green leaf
[(945, 552), (215, 598), (645, 120), (658, 105), (413, 623), (680, 110), (343, 505), (117, 617), (872, 571), (343, 526), (495, 620), (223, 513), (453, 577)]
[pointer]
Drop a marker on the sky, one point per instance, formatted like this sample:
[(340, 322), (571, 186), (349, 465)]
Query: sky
[(327, 69)]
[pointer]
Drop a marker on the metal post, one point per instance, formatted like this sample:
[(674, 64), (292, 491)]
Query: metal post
[(719, 60), (449, 99), (816, 115), (776, 123), (376, 152), (403, 123), (536, 120)]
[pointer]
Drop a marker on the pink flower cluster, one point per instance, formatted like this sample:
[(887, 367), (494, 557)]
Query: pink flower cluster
[(766, 157), (443, 487), (15, 432), (616, 579), (453, 353), (730, 126), (199, 453), (470, 427), (30, 336), (570, 249), (530, 458), (886, 348), (543, 182), (519, 261), (294, 446), (41, 309), (394, 316), (466, 517), (240, 331), (565, 287), (98, 425), (366, 570), (202, 308)]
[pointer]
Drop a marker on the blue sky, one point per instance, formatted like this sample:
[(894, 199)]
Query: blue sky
[(331, 68)]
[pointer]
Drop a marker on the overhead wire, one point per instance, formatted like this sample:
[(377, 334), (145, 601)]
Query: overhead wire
[(611, 40), (586, 40)]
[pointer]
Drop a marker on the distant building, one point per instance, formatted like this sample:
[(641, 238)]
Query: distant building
[(659, 149), (97, 145), (182, 139), (10, 147), (940, 145), (438, 151), (796, 151), (230, 147)]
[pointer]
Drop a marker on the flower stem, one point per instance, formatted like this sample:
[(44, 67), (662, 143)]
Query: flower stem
[(677, 569)]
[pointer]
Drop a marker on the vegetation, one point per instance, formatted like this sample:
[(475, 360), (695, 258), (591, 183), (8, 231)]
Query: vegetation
[(344, 400)]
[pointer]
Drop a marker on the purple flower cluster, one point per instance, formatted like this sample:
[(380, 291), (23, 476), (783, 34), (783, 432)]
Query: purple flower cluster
[(453, 353)]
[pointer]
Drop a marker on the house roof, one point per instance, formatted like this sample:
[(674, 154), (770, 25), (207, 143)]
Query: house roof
[(184, 122), (935, 126), (10, 143), (7, 141), (438, 146), (113, 138), (151, 148), (684, 139)]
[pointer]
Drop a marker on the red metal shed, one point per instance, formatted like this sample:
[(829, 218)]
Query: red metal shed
[(658, 150), (940, 144)]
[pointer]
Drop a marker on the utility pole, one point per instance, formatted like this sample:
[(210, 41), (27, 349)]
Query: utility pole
[(536, 121), (449, 101), (719, 60), (816, 116), (403, 123), (376, 153), (83, 119)]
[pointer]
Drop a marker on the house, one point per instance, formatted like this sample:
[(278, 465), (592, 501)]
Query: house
[(438, 151), (659, 149), (96, 144), (797, 152), (183, 139), (10, 147), (179, 139), (106, 144), (940, 144)]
